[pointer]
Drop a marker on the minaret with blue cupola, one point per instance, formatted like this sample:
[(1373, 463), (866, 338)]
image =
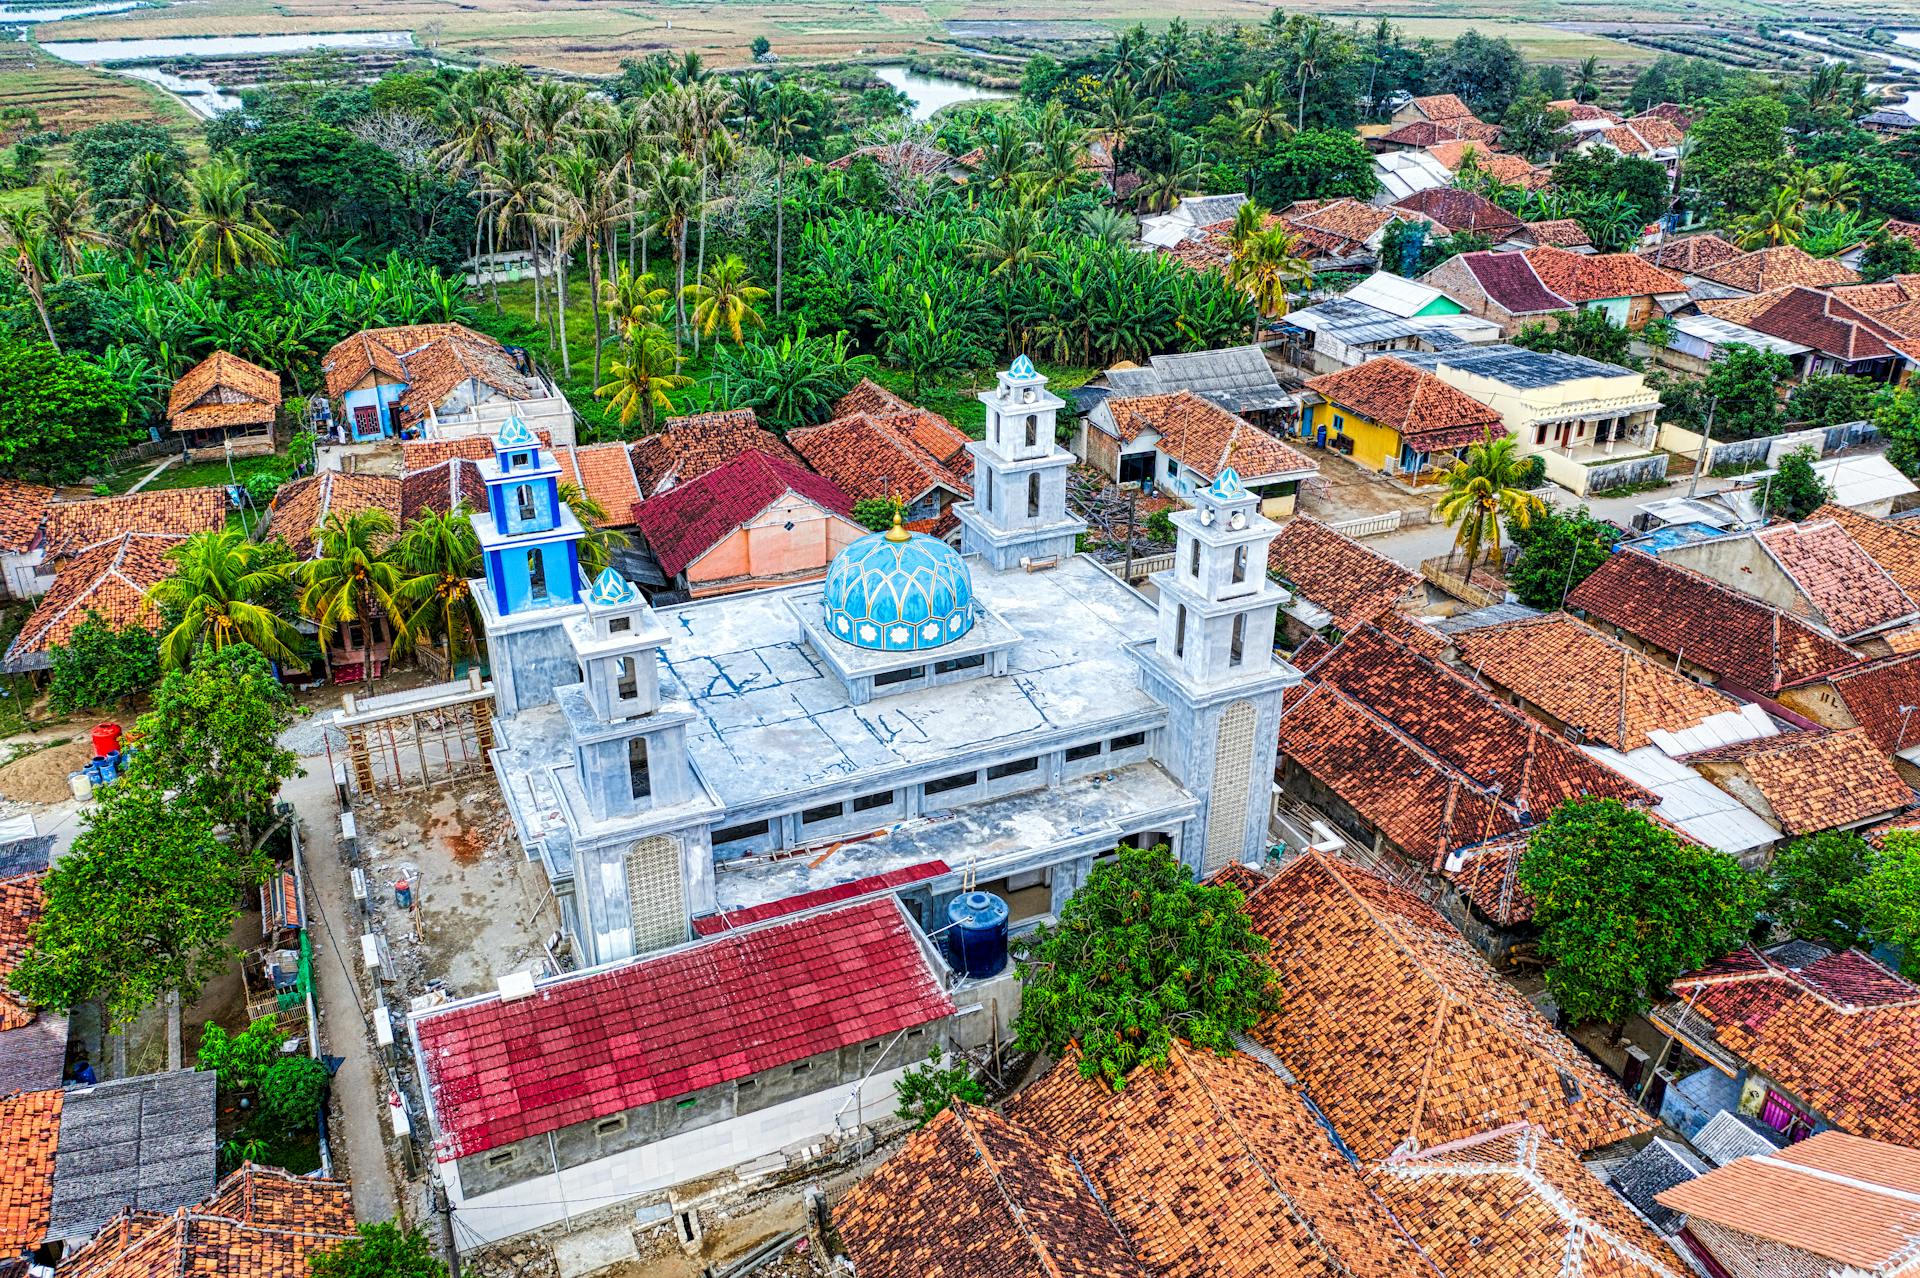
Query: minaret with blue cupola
[(1018, 514), (529, 540)]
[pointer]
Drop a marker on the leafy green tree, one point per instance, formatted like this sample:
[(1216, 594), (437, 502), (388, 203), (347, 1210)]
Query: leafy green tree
[(140, 908), (1558, 551), (1624, 905), (106, 155), (792, 382), (875, 513), (62, 416), (213, 739), (291, 1090), (240, 1061), (101, 666), (1485, 73), (1737, 148), (1743, 385), (1483, 489), (1143, 954), (1896, 413), (1601, 175), (382, 1250), (1828, 399), (351, 581), (1671, 78), (1796, 490), (1590, 332), (924, 1090), (761, 46), (1888, 898), (1534, 129), (1315, 164), (1809, 886), (1888, 255)]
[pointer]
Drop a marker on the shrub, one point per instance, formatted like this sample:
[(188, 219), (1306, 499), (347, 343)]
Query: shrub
[(291, 1091)]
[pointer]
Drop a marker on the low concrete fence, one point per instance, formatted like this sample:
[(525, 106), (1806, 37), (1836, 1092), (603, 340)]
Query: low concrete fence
[(1370, 525)]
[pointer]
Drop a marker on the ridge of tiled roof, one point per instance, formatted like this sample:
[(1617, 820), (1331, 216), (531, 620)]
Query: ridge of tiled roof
[(380, 349), (248, 394), (1750, 644), (1672, 112), (1781, 266), (1810, 317), (1399, 1029), (1691, 254), (72, 526), (870, 397), (1427, 412), (441, 488), (301, 507), (420, 454), (1817, 780), (1512, 283), (1444, 106), (1592, 277), (871, 457), (1424, 133), (1337, 573), (1500, 165), (1349, 219), (261, 1222), (1893, 545), (1201, 435), (1875, 693), (1852, 592), (687, 521), (605, 473), (973, 1194), (688, 447), (1841, 1033), (1459, 210), (111, 578), (1643, 137), (438, 368), (1611, 693), (1561, 232), (1511, 1203)]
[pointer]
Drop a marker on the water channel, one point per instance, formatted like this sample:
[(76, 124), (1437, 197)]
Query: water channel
[(930, 93)]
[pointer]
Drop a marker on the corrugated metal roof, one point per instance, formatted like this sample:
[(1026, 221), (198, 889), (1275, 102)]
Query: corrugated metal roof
[(1719, 332), (1395, 295), (1703, 811)]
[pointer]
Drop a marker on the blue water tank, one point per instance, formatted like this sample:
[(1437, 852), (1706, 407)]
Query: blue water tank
[(977, 934)]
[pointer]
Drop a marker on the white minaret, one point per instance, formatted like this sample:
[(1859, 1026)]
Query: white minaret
[(1019, 506), (1212, 664)]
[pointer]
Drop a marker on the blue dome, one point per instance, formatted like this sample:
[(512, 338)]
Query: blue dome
[(898, 592)]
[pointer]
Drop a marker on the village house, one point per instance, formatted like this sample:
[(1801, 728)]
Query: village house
[(1460, 211), (1546, 283), (1418, 133), (1690, 254), (1782, 266), (1831, 1204), (23, 521), (1836, 337), (360, 648), (111, 578), (1401, 174), (1239, 379), (1335, 582), (1643, 137), (688, 447), (604, 473), (1187, 219), (1558, 232), (1391, 417), (73, 526), (1807, 782), (1179, 443), (1699, 340), (1592, 423), (33, 1041), (1380, 314), (224, 406), (756, 521), (1802, 1038), (920, 463), (438, 381), (1438, 108), (1466, 156)]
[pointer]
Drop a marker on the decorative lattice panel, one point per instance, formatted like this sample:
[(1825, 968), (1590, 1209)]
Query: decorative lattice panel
[(1232, 784), (656, 898)]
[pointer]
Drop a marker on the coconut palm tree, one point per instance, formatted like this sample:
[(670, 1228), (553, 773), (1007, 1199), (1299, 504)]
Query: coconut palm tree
[(1013, 238), (783, 124), (1310, 43), (514, 181), (66, 220), (1248, 221), (597, 547), (475, 128), (675, 184), (1260, 111), (640, 376), (147, 217), (350, 580), (1162, 186), (588, 207), (1382, 38), (633, 301), (438, 554), (1006, 156), (226, 228), (723, 300), (221, 590), (1832, 188), (1481, 491), (1268, 266), (1782, 219), (1119, 114), (1129, 54), (1166, 68), (21, 238), (1059, 168), (1586, 80)]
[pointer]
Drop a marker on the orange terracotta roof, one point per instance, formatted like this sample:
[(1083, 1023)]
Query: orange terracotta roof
[(223, 390), (72, 526), (1816, 780), (1841, 1034), (1215, 1168), (1425, 411), (873, 457), (1611, 693), (111, 578), (1512, 1203), (439, 368), (301, 507), (1643, 137), (1349, 219), (21, 904), (1691, 254), (691, 446), (370, 350), (1334, 572), (973, 1196), (1777, 267), (29, 1131), (1424, 133), (419, 454), (1892, 544), (1561, 232), (1443, 106), (605, 473), (1400, 1031), (260, 1223), (1591, 277), (869, 397), (1851, 592), (1840, 1197), (23, 511), (1204, 437), (1500, 165)]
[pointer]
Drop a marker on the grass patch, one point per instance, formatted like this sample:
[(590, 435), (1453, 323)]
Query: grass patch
[(195, 474)]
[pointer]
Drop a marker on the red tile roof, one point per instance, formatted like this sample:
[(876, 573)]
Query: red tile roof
[(691, 446), (605, 473), (1643, 137), (21, 904), (223, 390), (1512, 1203), (1843, 1198), (1459, 210), (1743, 641), (1841, 1033), (1673, 113), (1852, 593), (1892, 544), (347, 363), (870, 885), (586, 1046), (1443, 106), (1781, 266), (1400, 1031), (1593, 277), (301, 507), (260, 1223), (879, 457), (29, 1131), (1511, 170), (1875, 694), (1562, 232), (442, 487), (971, 1195), (1334, 572), (1511, 283), (1427, 413), (1812, 318), (1691, 254), (1206, 438), (72, 526), (687, 521), (1816, 780), (111, 579), (23, 510)]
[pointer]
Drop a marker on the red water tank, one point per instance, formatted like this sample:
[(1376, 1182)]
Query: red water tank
[(106, 739)]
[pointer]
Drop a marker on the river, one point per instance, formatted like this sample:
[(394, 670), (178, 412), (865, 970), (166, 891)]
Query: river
[(931, 92), (204, 97), (1907, 39)]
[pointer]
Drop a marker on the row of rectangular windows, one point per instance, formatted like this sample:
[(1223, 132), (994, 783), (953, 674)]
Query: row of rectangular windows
[(909, 673)]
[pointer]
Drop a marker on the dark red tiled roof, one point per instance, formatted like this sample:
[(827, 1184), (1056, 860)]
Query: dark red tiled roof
[(1852, 593), (1512, 284), (1459, 210), (688, 520), (713, 924), (1875, 695), (587, 1046), (1715, 627), (1334, 572)]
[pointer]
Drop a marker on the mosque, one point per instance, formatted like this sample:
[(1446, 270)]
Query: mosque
[(923, 720)]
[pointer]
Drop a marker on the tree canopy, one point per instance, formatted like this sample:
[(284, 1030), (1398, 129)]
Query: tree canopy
[(63, 416), (1558, 550)]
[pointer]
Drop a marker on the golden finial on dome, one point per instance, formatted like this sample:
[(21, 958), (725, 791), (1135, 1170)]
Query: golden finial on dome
[(897, 533)]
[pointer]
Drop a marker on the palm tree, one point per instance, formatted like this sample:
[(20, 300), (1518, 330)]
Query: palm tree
[(475, 129), (1309, 41), (148, 216), (1112, 226), (439, 554), (1162, 187), (221, 591), (675, 185), (28, 248), (597, 547), (782, 127), (1119, 114), (587, 206), (514, 182), (646, 368), (66, 220), (226, 228), (1782, 219), (1260, 111), (349, 580), (1383, 38), (1129, 53), (724, 300), (632, 301), (1006, 156), (1248, 221), (1586, 80), (1833, 188), (1268, 266), (1013, 238), (1483, 490), (1166, 65)]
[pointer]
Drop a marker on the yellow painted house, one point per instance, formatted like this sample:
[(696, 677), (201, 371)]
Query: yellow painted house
[(1389, 416)]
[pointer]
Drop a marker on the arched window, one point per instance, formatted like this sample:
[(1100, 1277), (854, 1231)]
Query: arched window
[(1240, 565), (1180, 631), (523, 503), (1033, 496), (1237, 648), (1033, 430), (537, 575)]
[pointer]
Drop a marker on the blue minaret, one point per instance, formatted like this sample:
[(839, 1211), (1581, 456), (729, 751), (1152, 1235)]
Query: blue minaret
[(528, 539)]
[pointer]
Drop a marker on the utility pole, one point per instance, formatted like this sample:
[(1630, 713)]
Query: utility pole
[(1706, 442), (444, 1210)]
